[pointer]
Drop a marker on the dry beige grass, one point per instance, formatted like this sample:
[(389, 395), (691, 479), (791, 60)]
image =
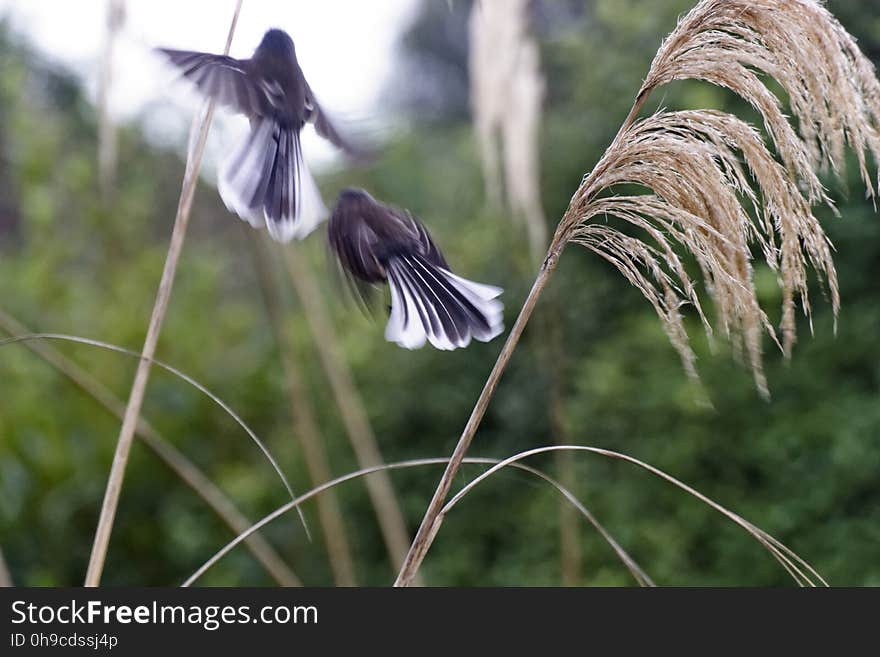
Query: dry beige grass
[(116, 477), (693, 164), (188, 472), (831, 86), (706, 170), (713, 188), (638, 574)]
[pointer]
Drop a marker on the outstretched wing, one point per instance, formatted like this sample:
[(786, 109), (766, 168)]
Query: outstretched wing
[(326, 129), (353, 244), (223, 78)]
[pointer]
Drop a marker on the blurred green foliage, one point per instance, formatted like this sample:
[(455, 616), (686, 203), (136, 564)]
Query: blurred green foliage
[(805, 466)]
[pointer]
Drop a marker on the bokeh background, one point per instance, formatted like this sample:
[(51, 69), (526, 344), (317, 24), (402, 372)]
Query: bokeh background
[(804, 466)]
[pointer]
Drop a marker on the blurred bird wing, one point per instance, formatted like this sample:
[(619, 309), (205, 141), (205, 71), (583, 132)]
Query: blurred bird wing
[(353, 243), (325, 128), (431, 251), (223, 78), (363, 293)]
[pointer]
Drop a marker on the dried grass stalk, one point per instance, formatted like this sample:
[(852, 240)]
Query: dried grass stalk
[(305, 424), (712, 186), (831, 86), (702, 193), (507, 94), (176, 460), (157, 316), (638, 574), (713, 166), (801, 571), (351, 407)]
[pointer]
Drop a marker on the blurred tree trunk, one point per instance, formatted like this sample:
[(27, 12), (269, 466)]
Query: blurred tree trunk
[(507, 92)]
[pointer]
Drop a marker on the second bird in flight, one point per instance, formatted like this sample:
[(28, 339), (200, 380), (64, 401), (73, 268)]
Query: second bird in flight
[(265, 180)]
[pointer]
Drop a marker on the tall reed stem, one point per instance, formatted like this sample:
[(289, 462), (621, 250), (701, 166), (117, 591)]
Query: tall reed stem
[(351, 409), (433, 519), (305, 424), (139, 386)]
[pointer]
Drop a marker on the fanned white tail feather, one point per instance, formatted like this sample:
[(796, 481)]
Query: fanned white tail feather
[(429, 303), (266, 163)]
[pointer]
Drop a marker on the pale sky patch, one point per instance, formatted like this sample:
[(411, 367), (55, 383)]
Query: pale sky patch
[(345, 47)]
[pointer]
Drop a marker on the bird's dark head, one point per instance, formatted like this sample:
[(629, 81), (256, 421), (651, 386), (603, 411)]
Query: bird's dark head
[(353, 195), (354, 201), (277, 43)]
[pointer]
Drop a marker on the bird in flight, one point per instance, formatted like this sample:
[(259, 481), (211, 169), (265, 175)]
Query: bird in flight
[(264, 179), (377, 244)]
